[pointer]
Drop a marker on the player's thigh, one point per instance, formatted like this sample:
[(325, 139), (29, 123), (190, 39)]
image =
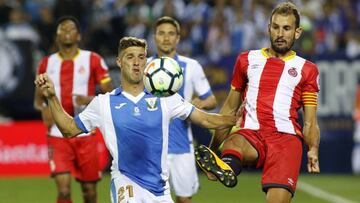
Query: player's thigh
[(124, 190), (87, 160), (241, 143), (183, 174)]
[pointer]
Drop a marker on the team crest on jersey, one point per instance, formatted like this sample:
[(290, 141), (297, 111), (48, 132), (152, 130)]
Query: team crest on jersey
[(292, 71), (152, 103)]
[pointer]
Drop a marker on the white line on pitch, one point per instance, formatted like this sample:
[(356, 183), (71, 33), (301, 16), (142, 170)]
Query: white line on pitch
[(317, 192)]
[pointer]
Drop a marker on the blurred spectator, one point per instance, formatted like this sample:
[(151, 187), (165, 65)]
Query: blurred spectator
[(19, 28), (218, 42), (138, 19), (197, 13), (241, 29), (101, 34), (5, 10), (46, 28), (353, 45), (74, 8), (172, 8)]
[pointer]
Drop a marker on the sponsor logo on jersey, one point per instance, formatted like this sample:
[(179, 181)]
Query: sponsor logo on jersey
[(120, 105)]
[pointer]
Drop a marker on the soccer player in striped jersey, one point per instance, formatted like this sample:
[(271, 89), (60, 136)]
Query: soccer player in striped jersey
[(135, 126), (75, 73), (273, 83), (183, 174)]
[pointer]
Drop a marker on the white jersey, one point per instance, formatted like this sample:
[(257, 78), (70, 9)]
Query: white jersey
[(135, 131), (195, 82)]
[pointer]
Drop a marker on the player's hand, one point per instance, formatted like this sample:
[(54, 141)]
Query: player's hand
[(46, 86), (313, 161), (210, 176), (240, 113), (197, 103)]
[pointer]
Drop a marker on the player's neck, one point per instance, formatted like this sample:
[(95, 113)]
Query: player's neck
[(171, 55), (68, 53), (273, 54), (133, 89)]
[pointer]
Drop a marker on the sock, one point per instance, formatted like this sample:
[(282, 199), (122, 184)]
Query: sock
[(233, 159), (63, 201)]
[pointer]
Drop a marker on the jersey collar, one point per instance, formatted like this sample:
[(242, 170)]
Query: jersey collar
[(291, 56)]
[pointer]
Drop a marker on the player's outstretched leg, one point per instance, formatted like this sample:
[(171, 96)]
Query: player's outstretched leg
[(209, 162)]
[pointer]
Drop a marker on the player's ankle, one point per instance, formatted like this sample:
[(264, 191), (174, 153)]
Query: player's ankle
[(233, 161)]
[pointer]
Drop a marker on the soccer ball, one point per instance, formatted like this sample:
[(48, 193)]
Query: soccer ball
[(163, 77)]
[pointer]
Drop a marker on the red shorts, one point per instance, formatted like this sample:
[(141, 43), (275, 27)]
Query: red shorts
[(280, 157), (77, 155)]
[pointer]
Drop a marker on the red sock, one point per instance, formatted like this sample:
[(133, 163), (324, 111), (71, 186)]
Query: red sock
[(63, 201)]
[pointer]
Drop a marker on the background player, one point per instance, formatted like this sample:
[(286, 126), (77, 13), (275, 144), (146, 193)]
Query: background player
[(75, 73), (135, 126), (276, 83), (181, 160)]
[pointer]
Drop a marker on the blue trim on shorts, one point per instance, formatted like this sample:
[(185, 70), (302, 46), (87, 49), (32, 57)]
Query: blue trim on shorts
[(113, 190)]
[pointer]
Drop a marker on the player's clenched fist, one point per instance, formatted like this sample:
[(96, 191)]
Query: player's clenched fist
[(44, 83)]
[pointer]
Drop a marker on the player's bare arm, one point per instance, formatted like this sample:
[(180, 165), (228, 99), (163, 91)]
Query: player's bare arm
[(212, 120), (40, 105), (230, 107), (63, 120), (312, 138), (207, 104)]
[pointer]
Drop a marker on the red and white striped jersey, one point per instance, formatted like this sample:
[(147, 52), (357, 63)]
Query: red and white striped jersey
[(274, 89), (78, 76)]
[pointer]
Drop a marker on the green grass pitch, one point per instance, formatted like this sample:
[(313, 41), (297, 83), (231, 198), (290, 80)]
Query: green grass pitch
[(42, 190)]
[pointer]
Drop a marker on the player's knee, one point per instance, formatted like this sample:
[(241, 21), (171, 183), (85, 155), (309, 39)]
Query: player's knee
[(64, 193), (183, 199), (89, 192), (278, 195)]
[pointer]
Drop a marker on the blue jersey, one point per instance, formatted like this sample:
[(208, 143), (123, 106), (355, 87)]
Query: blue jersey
[(195, 81), (135, 130)]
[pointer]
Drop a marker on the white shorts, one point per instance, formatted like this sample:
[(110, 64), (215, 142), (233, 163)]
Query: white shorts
[(124, 190), (183, 175)]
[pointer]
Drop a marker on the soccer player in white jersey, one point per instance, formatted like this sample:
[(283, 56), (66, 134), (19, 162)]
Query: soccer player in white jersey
[(75, 73), (273, 83), (135, 126), (183, 175)]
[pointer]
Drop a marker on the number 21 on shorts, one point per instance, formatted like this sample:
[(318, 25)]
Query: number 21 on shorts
[(123, 191)]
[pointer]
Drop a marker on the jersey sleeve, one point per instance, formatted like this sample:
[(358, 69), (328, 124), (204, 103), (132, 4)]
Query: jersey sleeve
[(311, 78), (100, 68), (200, 82), (89, 119), (239, 78), (178, 106), (42, 65)]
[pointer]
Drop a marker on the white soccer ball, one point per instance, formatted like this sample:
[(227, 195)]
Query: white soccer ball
[(163, 77)]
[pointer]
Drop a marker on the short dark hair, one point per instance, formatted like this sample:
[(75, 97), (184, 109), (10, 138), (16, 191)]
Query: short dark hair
[(71, 18), (170, 20), (287, 8), (127, 42)]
